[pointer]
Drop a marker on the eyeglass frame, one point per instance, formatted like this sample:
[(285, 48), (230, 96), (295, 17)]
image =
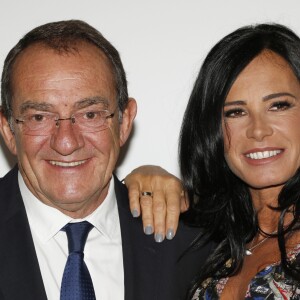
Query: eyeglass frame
[(72, 118)]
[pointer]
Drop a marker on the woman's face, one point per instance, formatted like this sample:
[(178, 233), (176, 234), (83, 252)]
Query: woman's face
[(261, 123)]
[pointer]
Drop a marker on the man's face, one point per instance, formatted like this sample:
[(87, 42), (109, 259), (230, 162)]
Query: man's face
[(67, 169)]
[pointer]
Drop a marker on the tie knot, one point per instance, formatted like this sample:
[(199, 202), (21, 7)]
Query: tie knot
[(77, 234)]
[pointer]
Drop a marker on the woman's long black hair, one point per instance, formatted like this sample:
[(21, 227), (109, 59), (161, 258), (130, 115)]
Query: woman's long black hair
[(220, 202)]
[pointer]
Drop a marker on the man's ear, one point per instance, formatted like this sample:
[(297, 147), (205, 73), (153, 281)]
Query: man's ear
[(7, 134), (127, 120)]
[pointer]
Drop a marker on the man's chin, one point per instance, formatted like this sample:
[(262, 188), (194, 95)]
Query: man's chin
[(71, 206)]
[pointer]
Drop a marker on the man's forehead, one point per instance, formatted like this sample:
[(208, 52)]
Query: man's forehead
[(70, 47), (88, 80), (40, 53)]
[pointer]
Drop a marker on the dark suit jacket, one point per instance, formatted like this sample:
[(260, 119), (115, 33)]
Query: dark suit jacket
[(151, 270)]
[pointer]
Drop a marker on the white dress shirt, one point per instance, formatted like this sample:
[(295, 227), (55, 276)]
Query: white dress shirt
[(102, 253)]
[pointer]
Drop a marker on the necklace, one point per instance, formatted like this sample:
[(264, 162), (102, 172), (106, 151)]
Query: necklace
[(249, 251)]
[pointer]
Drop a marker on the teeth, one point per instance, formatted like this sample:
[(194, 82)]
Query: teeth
[(264, 154), (67, 164)]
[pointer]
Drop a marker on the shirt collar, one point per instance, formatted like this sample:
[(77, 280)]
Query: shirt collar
[(47, 221)]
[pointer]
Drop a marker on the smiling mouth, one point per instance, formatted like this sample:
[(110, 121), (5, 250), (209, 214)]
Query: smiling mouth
[(263, 154), (67, 164)]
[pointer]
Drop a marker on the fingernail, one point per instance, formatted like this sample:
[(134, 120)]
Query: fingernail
[(158, 237), (135, 213), (170, 234), (148, 230)]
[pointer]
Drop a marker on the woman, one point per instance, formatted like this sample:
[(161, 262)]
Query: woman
[(240, 158)]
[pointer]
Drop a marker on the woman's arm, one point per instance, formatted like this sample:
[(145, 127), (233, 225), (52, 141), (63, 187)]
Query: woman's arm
[(161, 209)]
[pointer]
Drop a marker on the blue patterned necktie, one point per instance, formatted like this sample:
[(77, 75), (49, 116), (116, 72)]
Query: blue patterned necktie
[(77, 283)]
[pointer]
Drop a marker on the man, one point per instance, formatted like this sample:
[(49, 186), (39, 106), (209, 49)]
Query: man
[(65, 115)]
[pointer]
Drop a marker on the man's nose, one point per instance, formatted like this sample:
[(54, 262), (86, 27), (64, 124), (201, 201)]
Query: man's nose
[(66, 138)]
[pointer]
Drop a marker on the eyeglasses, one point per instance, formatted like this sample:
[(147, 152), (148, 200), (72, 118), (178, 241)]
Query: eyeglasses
[(45, 123)]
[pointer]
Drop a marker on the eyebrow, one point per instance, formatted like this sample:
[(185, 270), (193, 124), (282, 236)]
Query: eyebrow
[(92, 101), (237, 102), (44, 106), (276, 95), (265, 98)]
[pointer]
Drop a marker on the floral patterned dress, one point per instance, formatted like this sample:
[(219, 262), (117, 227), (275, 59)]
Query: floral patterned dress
[(270, 283)]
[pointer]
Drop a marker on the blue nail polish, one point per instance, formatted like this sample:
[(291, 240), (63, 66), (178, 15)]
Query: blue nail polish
[(148, 230), (158, 237), (135, 213), (170, 234)]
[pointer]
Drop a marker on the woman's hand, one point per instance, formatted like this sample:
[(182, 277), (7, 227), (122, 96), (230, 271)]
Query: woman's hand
[(161, 209)]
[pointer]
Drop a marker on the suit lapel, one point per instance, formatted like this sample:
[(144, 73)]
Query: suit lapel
[(140, 256), (20, 276)]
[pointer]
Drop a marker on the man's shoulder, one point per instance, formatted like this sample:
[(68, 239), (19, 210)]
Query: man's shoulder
[(185, 234), (9, 192), (167, 267), (9, 177), (182, 245), (9, 182), (174, 248)]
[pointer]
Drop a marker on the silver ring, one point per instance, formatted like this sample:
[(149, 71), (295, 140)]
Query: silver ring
[(146, 194)]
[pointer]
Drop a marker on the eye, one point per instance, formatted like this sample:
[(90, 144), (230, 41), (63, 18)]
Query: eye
[(234, 113), (90, 115), (280, 105), (37, 118)]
